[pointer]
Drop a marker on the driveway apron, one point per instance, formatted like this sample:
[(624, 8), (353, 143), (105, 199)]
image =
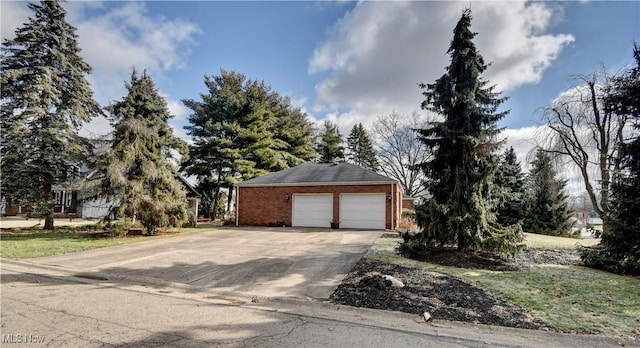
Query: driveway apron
[(268, 262)]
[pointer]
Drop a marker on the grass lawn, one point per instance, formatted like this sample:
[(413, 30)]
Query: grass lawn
[(556, 243), (36, 243), (570, 298)]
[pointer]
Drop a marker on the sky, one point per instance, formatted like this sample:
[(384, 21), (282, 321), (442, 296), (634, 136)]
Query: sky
[(345, 61)]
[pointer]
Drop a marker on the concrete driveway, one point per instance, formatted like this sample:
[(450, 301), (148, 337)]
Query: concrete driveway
[(268, 262)]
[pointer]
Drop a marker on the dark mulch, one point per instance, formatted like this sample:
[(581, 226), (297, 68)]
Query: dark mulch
[(445, 297)]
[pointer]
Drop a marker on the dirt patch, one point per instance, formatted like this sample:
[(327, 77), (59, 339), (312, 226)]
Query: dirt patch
[(445, 297)]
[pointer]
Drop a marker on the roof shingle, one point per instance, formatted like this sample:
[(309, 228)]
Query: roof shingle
[(321, 174)]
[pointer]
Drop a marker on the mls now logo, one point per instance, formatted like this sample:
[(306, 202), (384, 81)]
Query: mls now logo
[(18, 338)]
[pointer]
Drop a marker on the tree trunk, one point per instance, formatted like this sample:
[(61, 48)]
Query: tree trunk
[(48, 219), (216, 199), (229, 199), (462, 242)]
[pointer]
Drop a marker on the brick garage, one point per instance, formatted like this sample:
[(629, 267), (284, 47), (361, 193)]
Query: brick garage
[(314, 194)]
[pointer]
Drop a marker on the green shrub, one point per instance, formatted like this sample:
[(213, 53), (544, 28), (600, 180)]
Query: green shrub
[(602, 258), (413, 244), (118, 228)]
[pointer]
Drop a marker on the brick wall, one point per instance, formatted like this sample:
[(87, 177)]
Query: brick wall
[(261, 206), (407, 203)]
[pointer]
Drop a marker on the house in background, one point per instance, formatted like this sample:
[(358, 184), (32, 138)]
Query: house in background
[(408, 202), (92, 206), (581, 218), (80, 199), (319, 194), (66, 202), (586, 222)]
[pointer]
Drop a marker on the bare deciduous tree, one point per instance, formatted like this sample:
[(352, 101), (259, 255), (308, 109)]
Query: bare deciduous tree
[(586, 132), (399, 150)]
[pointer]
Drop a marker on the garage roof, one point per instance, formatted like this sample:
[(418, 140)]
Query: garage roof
[(320, 174)]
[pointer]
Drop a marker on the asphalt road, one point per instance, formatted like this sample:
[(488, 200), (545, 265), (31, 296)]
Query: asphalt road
[(169, 293)]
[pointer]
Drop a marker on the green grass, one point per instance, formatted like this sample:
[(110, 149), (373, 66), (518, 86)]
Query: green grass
[(569, 298), (542, 241), (37, 243)]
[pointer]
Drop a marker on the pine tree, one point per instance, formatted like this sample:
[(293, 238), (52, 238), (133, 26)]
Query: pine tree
[(546, 203), (46, 98), (509, 183), (360, 148), (464, 160), (139, 169), (214, 157), (329, 146), (242, 129), (294, 129)]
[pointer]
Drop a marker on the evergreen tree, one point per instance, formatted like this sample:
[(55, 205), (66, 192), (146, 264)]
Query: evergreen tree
[(509, 183), (46, 99), (294, 129), (139, 171), (619, 248), (214, 158), (546, 203), (329, 146), (360, 148), (464, 161), (241, 129)]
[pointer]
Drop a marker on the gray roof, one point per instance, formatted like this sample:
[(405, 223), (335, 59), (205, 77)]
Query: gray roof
[(320, 174)]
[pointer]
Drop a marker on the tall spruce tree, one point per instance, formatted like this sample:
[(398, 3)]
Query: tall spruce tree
[(619, 248), (329, 145), (509, 184), (139, 169), (46, 99), (547, 210), (360, 148), (242, 129), (465, 159)]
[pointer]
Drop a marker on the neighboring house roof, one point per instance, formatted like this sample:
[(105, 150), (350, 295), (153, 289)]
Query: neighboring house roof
[(191, 191), (320, 174)]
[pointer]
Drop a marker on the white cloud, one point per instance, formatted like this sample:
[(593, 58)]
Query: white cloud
[(515, 41), (524, 141), (377, 53), (177, 109), (127, 36), (180, 114), (98, 127), (116, 38), (12, 15)]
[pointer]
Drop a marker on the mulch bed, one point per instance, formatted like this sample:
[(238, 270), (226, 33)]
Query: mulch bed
[(445, 297)]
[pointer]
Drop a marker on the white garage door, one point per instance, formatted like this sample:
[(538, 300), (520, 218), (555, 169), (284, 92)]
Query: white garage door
[(312, 210), (362, 211)]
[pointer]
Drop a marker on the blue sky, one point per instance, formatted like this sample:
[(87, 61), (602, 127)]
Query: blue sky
[(346, 61)]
